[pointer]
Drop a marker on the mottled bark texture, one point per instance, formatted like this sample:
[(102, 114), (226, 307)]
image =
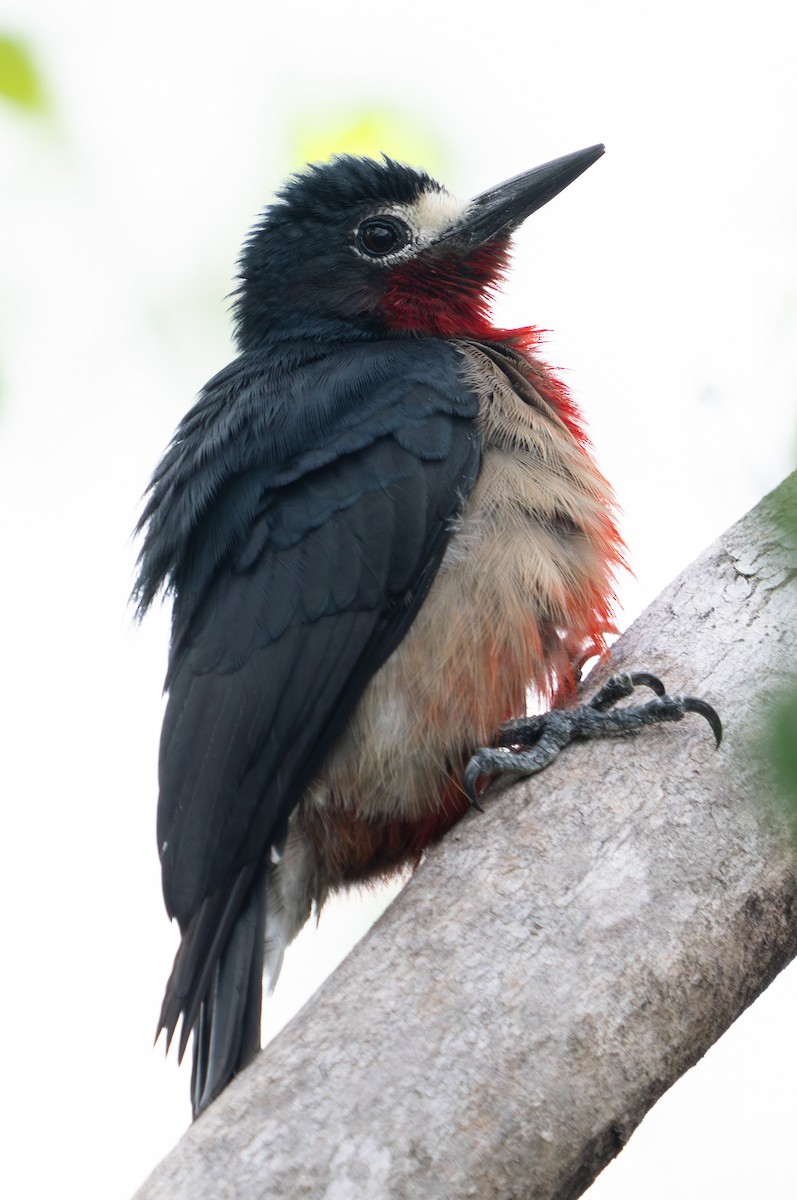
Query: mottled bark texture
[(559, 960)]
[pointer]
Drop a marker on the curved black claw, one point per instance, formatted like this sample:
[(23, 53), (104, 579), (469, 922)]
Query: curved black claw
[(469, 779), (645, 679), (492, 760), (618, 687), (692, 704)]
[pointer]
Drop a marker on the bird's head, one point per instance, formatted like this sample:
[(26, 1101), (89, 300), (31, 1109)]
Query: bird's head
[(358, 248)]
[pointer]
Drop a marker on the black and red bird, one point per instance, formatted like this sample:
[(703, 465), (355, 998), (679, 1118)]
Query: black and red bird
[(381, 525)]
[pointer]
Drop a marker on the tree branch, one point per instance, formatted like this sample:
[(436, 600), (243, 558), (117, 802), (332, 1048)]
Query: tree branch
[(557, 962)]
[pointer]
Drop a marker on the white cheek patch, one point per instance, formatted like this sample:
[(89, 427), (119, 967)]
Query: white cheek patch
[(433, 213)]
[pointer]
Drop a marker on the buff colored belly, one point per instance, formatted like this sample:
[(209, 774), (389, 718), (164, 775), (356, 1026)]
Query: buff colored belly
[(521, 590)]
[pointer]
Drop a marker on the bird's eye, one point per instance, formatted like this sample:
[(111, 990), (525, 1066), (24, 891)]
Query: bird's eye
[(379, 236)]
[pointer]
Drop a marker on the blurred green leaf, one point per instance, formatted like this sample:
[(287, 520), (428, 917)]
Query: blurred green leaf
[(784, 747), (786, 515), (369, 129), (782, 732), (20, 82)]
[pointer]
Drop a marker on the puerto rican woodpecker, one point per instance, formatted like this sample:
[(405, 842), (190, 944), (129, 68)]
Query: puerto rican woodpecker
[(382, 527)]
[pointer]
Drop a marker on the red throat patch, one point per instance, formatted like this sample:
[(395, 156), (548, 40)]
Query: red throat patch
[(446, 296)]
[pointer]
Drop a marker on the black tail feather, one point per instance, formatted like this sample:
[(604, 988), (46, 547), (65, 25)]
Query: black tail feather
[(227, 1032)]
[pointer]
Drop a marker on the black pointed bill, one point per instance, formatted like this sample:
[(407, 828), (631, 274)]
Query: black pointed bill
[(500, 210)]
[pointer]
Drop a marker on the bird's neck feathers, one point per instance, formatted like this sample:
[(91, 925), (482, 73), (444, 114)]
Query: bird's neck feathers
[(452, 298), (446, 297)]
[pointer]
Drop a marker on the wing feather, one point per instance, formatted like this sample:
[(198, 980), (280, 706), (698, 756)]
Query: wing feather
[(299, 520)]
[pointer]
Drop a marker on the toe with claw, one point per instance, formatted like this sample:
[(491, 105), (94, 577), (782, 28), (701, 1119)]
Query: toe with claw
[(528, 744)]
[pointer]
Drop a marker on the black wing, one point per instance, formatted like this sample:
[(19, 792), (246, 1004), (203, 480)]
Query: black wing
[(299, 519)]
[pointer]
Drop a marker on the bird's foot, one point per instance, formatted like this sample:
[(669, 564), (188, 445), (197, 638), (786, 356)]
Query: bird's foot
[(528, 744)]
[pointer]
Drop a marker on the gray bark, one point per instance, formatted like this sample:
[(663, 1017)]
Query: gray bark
[(558, 961)]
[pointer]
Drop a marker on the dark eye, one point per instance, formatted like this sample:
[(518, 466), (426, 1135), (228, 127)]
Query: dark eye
[(378, 236)]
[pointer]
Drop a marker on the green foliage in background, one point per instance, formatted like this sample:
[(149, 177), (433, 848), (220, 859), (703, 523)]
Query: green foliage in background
[(20, 82), (368, 129), (784, 747), (783, 725)]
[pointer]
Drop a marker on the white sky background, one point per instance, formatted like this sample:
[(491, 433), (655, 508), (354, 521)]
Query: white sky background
[(668, 275)]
